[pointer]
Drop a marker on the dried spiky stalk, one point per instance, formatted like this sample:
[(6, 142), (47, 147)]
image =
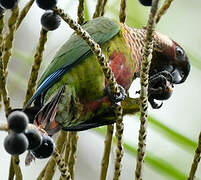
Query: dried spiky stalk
[(24, 12), (144, 75), (36, 65), (80, 12), (163, 10), (196, 160), (50, 169), (98, 9), (122, 13), (103, 7), (106, 154), (62, 166), (8, 41), (73, 153), (119, 137)]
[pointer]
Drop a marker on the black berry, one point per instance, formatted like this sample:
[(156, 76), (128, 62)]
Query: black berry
[(17, 121), (50, 21), (46, 149), (15, 143), (34, 138), (8, 4), (146, 2), (46, 4)]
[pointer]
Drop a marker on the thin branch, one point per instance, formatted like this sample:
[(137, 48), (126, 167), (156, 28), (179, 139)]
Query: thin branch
[(11, 171), (17, 169), (8, 41), (103, 7), (147, 56), (24, 12), (50, 170), (73, 153), (80, 12), (119, 136), (122, 13), (163, 10), (98, 9), (36, 65), (196, 160), (42, 173), (106, 154), (61, 165)]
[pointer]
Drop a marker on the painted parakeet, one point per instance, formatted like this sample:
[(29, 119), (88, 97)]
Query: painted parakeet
[(73, 89)]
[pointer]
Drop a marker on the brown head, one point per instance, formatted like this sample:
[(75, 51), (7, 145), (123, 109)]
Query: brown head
[(170, 56)]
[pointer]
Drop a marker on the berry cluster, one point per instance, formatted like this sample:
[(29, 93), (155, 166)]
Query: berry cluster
[(146, 2), (22, 138), (49, 20)]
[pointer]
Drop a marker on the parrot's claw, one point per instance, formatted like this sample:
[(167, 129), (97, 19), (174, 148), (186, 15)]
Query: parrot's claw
[(154, 105), (116, 98)]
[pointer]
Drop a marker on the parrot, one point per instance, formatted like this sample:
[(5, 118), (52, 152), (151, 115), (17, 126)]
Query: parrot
[(73, 92)]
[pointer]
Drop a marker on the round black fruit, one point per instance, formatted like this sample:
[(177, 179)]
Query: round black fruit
[(17, 121), (8, 4), (46, 4), (146, 2), (15, 144), (46, 149), (50, 21), (34, 138)]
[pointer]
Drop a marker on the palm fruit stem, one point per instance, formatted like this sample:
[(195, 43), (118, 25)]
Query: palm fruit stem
[(119, 136), (73, 153), (122, 13), (24, 12), (50, 169), (9, 37), (144, 75), (98, 9), (106, 154), (36, 65), (196, 160), (103, 7), (1, 43), (61, 165), (80, 12), (163, 10)]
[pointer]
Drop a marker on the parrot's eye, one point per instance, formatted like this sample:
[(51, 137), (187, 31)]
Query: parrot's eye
[(180, 53)]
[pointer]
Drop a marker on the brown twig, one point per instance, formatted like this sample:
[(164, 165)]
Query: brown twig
[(80, 12), (106, 154), (50, 169), (119, 136), (147, 56), (163, 10), (196, 160), (73, 151), (122, 13), (24, 12), (103, 7), (98, 9), (8, 41), (36, 65), (61, 165)]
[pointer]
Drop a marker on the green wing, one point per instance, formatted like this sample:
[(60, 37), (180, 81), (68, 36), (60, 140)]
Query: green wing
[(76, 49)]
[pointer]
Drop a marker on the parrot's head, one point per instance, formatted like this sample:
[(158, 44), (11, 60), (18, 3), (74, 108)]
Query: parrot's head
[(169, 56)]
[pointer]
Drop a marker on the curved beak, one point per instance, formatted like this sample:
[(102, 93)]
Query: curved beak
[(177, 76), (180, 75)]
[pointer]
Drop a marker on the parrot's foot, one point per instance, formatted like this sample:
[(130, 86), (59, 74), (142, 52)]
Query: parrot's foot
[(115, 98), (160, 88)]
